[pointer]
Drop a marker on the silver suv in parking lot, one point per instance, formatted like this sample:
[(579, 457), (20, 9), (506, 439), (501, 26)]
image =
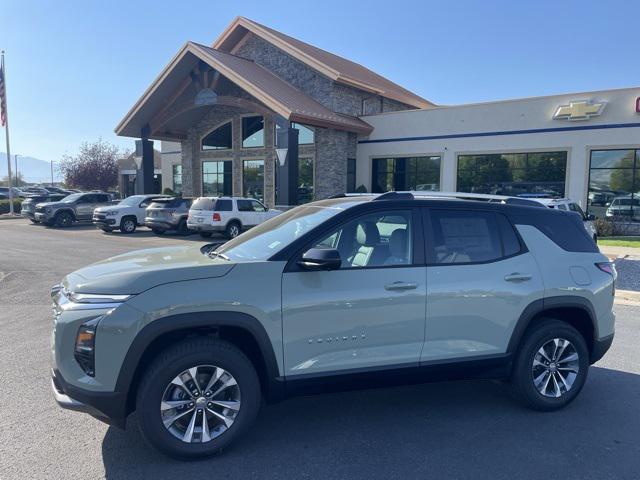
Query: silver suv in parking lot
[(340, 293), (77, 207), (166, 214)]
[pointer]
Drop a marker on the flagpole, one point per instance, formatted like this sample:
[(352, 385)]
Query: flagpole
[(6, 125)]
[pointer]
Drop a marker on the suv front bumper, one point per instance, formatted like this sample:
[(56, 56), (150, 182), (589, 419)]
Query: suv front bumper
[(108, 407)]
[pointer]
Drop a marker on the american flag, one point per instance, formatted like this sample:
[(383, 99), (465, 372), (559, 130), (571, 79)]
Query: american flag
[(3, 99)]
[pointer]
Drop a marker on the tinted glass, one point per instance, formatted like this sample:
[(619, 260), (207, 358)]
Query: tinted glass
[(510, 242), (203, 203), (257, 206), (376, 240), (305, 180), (172, 203), (407, 173), (305, 134), (513, 174), (224, 206), (177, 178), (464, 237), (253, 179), (244, 206), (219, 139), (252, 132), (216, 178)]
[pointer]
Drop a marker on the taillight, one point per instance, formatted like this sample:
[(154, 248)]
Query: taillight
[(608, 267), (216, 217)]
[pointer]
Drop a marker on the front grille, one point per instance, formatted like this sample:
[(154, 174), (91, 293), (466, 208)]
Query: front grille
[(99, 216), (40, 209)]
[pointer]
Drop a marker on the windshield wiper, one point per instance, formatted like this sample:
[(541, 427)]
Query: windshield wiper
[(213, 253)]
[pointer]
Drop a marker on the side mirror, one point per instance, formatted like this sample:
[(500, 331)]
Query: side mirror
[(320, 259), (591, 217)]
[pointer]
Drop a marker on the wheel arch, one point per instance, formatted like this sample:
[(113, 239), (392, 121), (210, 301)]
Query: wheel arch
[(241, 329), (576, 311), (234, 220)]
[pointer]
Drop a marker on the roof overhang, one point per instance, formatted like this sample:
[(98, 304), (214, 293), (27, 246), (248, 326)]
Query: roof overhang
[(271, 91)]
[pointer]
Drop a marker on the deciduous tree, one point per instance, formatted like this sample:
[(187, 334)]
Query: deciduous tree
[(95, 167)]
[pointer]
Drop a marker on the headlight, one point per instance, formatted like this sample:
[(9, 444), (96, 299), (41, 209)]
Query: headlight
[(111, 213), (95, 298), (84, 351)]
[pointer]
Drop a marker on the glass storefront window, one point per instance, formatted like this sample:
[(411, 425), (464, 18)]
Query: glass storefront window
[(252, 132), (405, 173), (351, 175), (218, 139), (177, 178), (305, 180), (306, 135), (614, 184), (216, 178), (513, 174), (253, 179)]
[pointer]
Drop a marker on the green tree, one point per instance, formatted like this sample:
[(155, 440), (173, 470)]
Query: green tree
[(95, 167), (622, 180)]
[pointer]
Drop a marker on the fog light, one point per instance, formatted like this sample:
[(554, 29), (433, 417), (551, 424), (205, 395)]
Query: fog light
[(85, 346)]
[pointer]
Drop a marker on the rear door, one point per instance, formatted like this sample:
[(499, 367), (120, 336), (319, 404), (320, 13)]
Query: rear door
[(480, 278), (246, 213), (85, 206), (260, 212)]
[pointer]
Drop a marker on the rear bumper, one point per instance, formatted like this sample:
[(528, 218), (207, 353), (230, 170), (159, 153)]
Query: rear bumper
[(203, 227), (600, 347), (108, 407), (159, 225)]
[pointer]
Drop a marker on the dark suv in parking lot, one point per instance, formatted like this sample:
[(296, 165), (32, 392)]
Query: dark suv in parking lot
[(28, 208), (77, 207), (168, 214)]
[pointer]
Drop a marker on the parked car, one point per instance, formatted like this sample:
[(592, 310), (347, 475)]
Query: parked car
[(627, 206), (227, 215), (568, 205), (58, 190), (28, 207), (126, 215), (77, 207), (17, 193), (33, 190), (168, 214), (338, 293)]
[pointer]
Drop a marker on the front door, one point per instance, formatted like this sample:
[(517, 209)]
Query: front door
[(85, 206), (367, 314), (479, 281)]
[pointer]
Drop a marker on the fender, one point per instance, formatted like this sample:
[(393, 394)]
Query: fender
[(195, 320), (548, 303)]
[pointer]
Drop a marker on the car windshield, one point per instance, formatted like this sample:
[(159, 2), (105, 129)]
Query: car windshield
[(132, 201), (72, 198), (266, 239)]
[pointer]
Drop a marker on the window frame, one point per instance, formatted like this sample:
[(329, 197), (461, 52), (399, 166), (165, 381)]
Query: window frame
[(417, 237), (217, 149), (225, 175), (429, 235), (264, 131)]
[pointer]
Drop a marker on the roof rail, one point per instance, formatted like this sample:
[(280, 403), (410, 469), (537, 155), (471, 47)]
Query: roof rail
[(344, 195), (395, 196), (479, 196)]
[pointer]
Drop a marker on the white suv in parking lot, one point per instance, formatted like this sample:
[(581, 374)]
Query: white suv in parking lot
[(228, 215), (126, 215)]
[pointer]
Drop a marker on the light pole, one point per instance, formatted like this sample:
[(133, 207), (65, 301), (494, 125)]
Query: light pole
[(16, 169)]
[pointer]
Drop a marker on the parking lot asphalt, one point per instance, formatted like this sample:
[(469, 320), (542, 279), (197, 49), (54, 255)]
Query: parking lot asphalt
[(470, 429)]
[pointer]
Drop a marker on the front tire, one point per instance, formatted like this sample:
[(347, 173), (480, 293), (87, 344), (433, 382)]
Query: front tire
[(63, 220), (128, 225), (551, 365), (197, 397), (233, 230)]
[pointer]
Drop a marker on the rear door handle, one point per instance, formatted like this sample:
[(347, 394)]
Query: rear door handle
[(518, 277), (395, 286)]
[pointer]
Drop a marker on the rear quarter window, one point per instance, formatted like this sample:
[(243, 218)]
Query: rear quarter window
[(224, 206), (203, 203)]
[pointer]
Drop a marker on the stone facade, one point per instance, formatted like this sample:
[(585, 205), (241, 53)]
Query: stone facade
[(330, 151)]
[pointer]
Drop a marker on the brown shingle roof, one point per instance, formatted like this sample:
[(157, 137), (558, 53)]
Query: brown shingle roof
[(334, 66)]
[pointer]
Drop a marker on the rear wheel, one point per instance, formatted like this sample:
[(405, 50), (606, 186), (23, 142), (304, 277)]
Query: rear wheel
[(551, 365), (63, 220), (233, 230), (128, 225), (197, 397), (182, 228)]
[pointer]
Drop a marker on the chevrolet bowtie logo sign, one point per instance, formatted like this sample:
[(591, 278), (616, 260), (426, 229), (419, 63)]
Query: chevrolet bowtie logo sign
[(581, 110)]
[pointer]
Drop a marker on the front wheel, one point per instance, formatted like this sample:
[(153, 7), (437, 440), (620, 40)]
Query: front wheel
[(233, 230), (551, 365), (128, 225), (197, 397), (63, 220)]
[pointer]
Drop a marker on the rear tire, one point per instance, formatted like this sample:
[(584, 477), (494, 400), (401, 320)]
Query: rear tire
[(128, 225), (158, 386), (233, 230), (551, 365), (182, 228)]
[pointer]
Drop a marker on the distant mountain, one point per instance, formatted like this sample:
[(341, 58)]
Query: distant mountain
[(33, 170)]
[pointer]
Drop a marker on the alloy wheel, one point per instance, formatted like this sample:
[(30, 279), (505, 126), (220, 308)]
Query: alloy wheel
[(200, 404), (234, 231), (128, 226), (555, 367)]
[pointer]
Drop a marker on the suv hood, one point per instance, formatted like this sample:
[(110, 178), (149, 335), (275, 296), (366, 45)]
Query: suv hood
[(53, 204), (140, 270), (110, 208)]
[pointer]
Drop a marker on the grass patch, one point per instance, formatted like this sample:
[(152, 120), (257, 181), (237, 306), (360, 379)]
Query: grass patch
[(633, 242)]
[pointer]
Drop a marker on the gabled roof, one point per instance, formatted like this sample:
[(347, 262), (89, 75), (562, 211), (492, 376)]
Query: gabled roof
[(272, 91), (331, 65)]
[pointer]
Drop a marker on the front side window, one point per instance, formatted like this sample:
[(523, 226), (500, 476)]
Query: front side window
[(252, 132), (374, 240), (177, 178), (218, 139), (513, 174), (256, 206), (405, 173), (216, 178), (253, 179), (464, 237)]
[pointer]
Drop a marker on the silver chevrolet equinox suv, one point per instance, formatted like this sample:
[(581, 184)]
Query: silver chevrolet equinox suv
[(336, 294)]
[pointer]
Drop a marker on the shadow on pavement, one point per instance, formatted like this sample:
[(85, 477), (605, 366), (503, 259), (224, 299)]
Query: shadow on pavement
[(471, 429)]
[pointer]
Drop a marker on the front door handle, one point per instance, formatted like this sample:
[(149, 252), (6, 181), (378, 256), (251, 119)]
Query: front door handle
[(518, 277), (395, 286)]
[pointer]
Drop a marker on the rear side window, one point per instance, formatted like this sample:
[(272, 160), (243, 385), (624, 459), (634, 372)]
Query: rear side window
[(172, 203), (224, 206), (510, 243), (203, 203)]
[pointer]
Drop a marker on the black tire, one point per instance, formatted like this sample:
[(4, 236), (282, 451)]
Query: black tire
[(182, 228), (205, 234), (233, 230), (157, 231), (523, 371), (169, 364), (128, 224), (63, 220)]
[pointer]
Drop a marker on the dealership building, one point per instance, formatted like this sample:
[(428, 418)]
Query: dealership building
[(261, 114)]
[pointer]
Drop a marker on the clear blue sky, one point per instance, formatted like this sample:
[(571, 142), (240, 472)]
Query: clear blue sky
[(76, 67)]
